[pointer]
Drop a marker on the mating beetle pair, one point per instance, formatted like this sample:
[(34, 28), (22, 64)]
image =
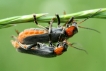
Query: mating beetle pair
[(32, 40), (33, 35)]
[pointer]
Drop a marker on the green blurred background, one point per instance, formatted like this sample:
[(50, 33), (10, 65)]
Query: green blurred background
[(72, 60)]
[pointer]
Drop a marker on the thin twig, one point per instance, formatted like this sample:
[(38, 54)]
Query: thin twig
[(4, 23)]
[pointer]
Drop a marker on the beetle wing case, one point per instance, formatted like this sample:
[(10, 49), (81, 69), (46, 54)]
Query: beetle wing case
[(37, 52), (43, 50), (29, 33), (43, 38)]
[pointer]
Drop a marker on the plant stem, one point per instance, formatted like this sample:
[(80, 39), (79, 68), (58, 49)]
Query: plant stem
[(4, 23)]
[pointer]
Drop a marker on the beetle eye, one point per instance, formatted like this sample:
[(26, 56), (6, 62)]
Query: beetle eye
[(65, 47), (75, 30)]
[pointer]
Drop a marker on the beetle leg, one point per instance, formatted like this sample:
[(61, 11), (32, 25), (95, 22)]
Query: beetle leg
[(58, 20), (21, 45), (35, 20), (15, 44), (32, 45), (69, 21), (50, 31), (61, 37), (71, 45), (28, 47), (17, 32)]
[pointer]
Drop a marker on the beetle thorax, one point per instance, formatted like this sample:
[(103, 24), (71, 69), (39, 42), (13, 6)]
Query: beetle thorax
[(69, 31)]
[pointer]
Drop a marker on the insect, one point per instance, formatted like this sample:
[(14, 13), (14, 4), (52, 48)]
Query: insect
[(41, 49), (55, 49), (32, 35)]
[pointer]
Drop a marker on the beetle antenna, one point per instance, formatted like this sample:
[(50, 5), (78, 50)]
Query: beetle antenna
[(89, 16), (89, 29), (76, 47)]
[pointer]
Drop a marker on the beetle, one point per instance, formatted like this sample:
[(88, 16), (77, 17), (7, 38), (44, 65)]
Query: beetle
[(70, 28), (18, 44), (33, 35), (42, 49)]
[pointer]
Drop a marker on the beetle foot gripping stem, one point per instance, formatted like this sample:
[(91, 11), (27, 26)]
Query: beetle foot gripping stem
[(58, 19)]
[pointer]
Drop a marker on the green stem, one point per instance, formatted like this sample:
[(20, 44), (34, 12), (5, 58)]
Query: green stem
[(41, 18)]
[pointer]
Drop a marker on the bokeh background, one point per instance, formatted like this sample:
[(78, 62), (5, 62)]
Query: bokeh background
[(72, 60)]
